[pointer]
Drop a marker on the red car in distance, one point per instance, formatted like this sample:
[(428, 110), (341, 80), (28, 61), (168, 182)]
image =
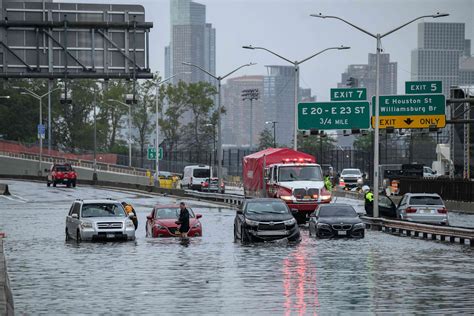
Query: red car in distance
[(61, 174), (162, 222)]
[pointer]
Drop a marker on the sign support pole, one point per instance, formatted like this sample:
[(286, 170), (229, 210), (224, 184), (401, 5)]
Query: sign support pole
[(377, 128)]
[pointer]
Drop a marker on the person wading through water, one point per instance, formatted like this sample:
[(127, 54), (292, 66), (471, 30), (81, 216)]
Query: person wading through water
[(183, 220)]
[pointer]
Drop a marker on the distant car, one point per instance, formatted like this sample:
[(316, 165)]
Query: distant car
[(265, 220), (162, 222), (61, 174), (212, 185), (423, 208), (336, 220), (351, 178), (98, 220)]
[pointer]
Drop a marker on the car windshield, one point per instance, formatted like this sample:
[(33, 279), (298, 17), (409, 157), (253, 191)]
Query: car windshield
[(346, 172), (202, 173), (426, 200), (275, 207), (170, 213), (63, 168), (300, 173), (337, 211), (103, 210)]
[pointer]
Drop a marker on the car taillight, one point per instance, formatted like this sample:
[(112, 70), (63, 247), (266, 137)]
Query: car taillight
[(410, 210), (442, 210), (205, 184)]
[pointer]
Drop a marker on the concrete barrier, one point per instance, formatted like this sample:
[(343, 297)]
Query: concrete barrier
[(4, 189), (6, 297)]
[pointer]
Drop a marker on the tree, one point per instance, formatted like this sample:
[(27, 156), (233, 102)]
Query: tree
[(265, 140), (364, 142), (141, 114), (316, 145)]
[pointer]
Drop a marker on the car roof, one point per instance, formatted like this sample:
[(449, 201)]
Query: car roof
[(422, 194), (167, 205), (98, 201), (263, 200), (335, 205)]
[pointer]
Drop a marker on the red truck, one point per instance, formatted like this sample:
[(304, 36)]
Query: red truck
[(61, 173), (287, 174)]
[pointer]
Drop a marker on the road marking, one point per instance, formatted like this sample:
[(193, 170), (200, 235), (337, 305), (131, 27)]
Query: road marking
[(14, 200), (19, 197)]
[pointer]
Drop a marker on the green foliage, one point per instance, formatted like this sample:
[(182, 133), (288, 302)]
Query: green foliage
[(364, 142), (315, 144), (265, 140)]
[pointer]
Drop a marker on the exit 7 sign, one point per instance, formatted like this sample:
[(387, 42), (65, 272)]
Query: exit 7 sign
[(348, 94)]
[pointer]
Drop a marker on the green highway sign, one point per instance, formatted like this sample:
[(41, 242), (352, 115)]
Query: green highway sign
[(333, 115), (151, 153), (411, 111), (348, 94), (423, 87)]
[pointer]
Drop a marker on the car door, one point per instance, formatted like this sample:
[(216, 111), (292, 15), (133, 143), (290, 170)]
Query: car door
[(387, 207), (75, 221), (68, 218)]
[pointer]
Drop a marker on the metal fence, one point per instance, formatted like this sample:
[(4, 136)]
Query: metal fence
[(449, 189)]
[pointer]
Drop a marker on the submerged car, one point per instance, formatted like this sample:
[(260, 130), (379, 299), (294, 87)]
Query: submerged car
[(98, 220), (265, 220), (336, 220), (423, 208), (162, 222)]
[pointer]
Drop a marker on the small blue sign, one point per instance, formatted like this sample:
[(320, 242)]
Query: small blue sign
[(41, 129)]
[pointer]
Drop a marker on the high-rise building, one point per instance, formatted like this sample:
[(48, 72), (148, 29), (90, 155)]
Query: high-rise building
[(192, 40), (365, 75), (236, 121), (437, 57)]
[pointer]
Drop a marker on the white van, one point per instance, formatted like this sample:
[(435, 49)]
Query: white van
[(194, 176)]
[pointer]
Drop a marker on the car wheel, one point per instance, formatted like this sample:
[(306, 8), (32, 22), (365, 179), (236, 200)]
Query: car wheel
[(243, 236), (67, 235), (74, 184), (68, 184), (48, 184), (363, 234), (78, 236), (235, 234)]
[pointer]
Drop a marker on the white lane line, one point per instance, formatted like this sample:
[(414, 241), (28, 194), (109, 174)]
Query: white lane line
[(19, 197), (14, 200)]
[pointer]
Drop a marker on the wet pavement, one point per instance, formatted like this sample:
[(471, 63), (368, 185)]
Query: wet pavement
[(212, 275)]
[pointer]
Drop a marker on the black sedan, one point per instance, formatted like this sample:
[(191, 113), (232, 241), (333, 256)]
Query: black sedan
[(265, 220), (336, 220)]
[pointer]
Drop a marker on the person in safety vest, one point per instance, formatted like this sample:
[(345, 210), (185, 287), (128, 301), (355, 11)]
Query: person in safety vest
[(129, 209), (327, 182), (369, 200)]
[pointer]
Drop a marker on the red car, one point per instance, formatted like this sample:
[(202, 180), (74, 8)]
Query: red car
[(61, 174), (162, 222)]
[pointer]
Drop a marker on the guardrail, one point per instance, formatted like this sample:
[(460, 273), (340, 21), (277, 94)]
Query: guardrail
[(232, 199), (78, 163), (424, 231)]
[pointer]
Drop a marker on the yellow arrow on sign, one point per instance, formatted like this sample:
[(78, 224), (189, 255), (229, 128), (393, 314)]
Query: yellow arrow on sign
[(414, 121)]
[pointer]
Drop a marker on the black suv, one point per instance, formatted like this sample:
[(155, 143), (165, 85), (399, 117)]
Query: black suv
[(265, 220), (336, 220)]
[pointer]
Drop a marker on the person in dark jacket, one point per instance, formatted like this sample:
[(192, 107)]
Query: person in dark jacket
[(183, 220), (368, 200)]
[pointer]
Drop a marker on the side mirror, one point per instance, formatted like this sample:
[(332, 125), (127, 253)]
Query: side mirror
[(46, 170), (435, 172), (364, 175), (198, 216), (148, 217), (75, 216), (240, 212)]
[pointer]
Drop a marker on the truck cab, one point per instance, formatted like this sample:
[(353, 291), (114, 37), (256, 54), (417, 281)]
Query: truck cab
[(299, 184)]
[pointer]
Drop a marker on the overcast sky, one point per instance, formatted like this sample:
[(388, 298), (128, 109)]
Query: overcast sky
[(285, 27)]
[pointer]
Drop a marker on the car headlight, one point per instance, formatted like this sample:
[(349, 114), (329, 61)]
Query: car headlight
[(359, 225), (290, 222), (129, 224), (286, 197), (197, 225), (251, 223), (86, 225), (322, 225), (360, 180)]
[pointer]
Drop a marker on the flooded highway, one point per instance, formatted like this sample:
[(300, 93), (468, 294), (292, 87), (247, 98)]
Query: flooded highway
[(213, 275)]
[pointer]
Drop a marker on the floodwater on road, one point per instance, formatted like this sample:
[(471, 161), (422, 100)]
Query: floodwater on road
[(213, 275)]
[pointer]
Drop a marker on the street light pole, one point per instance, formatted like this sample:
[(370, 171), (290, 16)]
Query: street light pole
[(219, 110), (296, 64), (129, 128), (250, 94), (378, 37), (274, 131)]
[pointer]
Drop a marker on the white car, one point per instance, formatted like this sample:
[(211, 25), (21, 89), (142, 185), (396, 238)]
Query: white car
[(423, 208), (98, 220)]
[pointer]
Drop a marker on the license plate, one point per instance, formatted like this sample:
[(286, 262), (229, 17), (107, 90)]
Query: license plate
[(272, 233), (110, 235), (428, 211), (341, 232)]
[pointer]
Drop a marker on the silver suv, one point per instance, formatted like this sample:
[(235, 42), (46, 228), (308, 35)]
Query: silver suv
[(98, 220)]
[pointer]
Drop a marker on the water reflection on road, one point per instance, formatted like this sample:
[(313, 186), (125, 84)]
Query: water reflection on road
[(213, 275)]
